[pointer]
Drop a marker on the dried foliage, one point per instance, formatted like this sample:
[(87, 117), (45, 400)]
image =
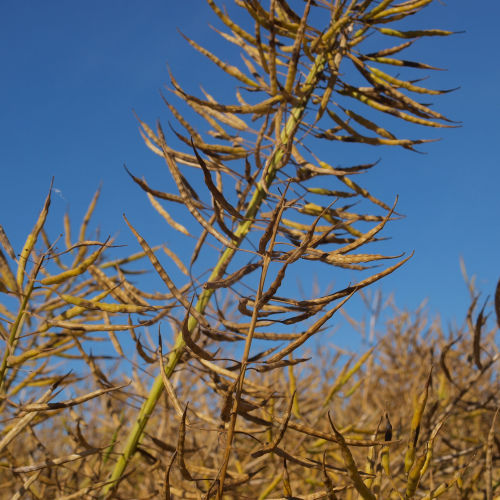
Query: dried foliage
[(245, 413)]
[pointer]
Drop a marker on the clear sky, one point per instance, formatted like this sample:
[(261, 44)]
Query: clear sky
[(72, 72)]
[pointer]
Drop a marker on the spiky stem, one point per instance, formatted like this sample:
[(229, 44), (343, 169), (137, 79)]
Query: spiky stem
[(279, 158)]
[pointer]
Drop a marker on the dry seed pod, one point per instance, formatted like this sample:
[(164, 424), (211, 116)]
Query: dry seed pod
[(4, 241), (350, 464), (415, 426), (497, 303), (180, 448)]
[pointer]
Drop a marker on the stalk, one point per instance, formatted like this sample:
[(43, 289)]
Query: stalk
[(278, 155), (18, 325)]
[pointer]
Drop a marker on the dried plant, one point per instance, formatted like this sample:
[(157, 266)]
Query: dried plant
[(244, 412)]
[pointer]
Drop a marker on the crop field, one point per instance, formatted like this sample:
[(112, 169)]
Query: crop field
[(206, 386)]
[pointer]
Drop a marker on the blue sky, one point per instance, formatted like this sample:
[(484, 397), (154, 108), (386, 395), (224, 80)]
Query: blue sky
[(74, 71)]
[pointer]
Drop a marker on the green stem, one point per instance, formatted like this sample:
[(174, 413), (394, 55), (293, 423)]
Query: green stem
[(287, 134), (17, 326)]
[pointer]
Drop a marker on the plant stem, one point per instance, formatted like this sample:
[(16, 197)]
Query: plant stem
[(18, 324), (278, 156)]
